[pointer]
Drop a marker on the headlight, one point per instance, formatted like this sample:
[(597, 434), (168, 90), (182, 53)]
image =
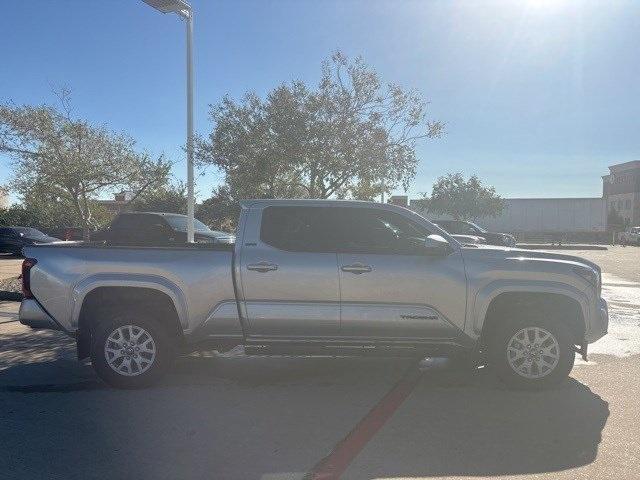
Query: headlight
[(589, 274)]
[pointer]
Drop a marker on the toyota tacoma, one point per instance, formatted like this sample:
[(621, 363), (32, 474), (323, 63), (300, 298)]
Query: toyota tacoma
[(318, 277)]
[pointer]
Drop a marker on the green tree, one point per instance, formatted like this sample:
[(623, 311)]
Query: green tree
[(463, 199), (220, 211), (350, 136), (616, 222), (69, 162), (169, 197)]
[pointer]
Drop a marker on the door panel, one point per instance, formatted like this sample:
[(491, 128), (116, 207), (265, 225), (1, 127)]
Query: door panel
[(391, 284), (293, 319), (288, 293), (403, 296), (397, 321)]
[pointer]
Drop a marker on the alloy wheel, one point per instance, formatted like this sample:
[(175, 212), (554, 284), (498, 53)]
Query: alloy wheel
[(130, 350), (533, 352)]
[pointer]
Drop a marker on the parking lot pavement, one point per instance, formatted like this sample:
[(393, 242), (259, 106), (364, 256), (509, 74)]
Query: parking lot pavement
[(9, 266), (618, 261), (587, 429), (231, 416)]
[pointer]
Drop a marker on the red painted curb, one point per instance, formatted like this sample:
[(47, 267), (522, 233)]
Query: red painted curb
[(334, 465)]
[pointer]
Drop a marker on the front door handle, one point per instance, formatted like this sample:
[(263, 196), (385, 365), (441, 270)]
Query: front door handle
[(357, 268), (262, 267)]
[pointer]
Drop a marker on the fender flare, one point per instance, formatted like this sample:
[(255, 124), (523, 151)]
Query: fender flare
[(152, 282), (489, 292)]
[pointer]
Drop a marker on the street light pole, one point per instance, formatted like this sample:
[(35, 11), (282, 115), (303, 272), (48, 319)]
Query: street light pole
[(183, 9), (190, 192)]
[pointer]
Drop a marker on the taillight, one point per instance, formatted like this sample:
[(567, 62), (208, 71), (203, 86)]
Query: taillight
[(26, 276)]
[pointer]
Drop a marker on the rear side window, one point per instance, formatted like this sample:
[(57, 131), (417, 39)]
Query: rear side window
[(300, 229), (125, 221), (6, 232)]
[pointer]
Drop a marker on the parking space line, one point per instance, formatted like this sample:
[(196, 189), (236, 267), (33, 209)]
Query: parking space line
[(334, 465)]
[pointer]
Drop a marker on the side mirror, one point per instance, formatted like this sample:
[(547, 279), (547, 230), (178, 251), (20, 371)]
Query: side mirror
[(436, 245)]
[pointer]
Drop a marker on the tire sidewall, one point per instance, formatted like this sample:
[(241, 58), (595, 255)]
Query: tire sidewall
[(498, 353), (164, 351)]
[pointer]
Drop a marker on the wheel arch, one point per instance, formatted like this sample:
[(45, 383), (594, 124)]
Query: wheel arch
[(162, 301), (559, 306)]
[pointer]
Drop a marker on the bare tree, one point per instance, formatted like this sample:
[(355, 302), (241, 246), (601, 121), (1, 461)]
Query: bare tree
[(67, 160)]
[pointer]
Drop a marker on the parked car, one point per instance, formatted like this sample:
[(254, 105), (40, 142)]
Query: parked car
[(68, 233), (459, 227), (319, 277), (157, 229), (630, 237), (13, 239)]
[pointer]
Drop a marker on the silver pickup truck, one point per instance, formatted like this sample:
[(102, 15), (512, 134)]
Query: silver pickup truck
[(323, 278)]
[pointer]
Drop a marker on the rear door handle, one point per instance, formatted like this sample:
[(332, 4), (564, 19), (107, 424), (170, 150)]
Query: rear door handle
[(262, 267), (357, 268)]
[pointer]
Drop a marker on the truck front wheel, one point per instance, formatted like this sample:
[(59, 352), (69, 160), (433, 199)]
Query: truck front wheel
[(130, 351), (532, 353)]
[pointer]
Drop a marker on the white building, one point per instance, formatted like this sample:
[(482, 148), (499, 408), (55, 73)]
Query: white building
[(621, 192), (541, 215), (550, 215)]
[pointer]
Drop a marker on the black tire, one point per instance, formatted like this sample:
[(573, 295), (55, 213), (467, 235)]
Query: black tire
[(545, 377), (153, 366)]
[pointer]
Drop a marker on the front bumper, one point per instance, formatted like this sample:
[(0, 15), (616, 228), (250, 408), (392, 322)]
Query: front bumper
[(34, 316), (599, 322)]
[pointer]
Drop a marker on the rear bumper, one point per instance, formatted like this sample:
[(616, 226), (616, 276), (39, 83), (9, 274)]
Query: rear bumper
[(599, 322), (34, 316)]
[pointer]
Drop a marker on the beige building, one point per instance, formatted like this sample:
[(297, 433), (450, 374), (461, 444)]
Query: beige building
[(119, 202), (621, 191)]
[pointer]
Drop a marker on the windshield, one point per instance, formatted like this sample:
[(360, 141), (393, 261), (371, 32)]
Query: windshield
[(480, 229), (458, 227), (179, 222)]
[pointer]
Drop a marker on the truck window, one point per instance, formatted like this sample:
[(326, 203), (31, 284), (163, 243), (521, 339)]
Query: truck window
[(340, 229), (374, 231), (299, 229), (125, 221), (138, 222)]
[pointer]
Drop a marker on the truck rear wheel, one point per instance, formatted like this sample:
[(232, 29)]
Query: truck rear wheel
[(130, 351), (532, 353)]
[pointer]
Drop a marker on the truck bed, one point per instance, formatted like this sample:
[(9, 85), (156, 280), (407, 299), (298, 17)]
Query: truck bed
[(197, 278)]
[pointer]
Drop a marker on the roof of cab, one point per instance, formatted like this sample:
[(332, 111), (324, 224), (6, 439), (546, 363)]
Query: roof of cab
[(164, 214), (304, 201)]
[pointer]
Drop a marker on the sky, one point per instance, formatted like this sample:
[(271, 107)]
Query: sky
[(538, 96)]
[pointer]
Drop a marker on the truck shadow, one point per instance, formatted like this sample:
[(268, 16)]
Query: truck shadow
[(455, 424), (195, 424)]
